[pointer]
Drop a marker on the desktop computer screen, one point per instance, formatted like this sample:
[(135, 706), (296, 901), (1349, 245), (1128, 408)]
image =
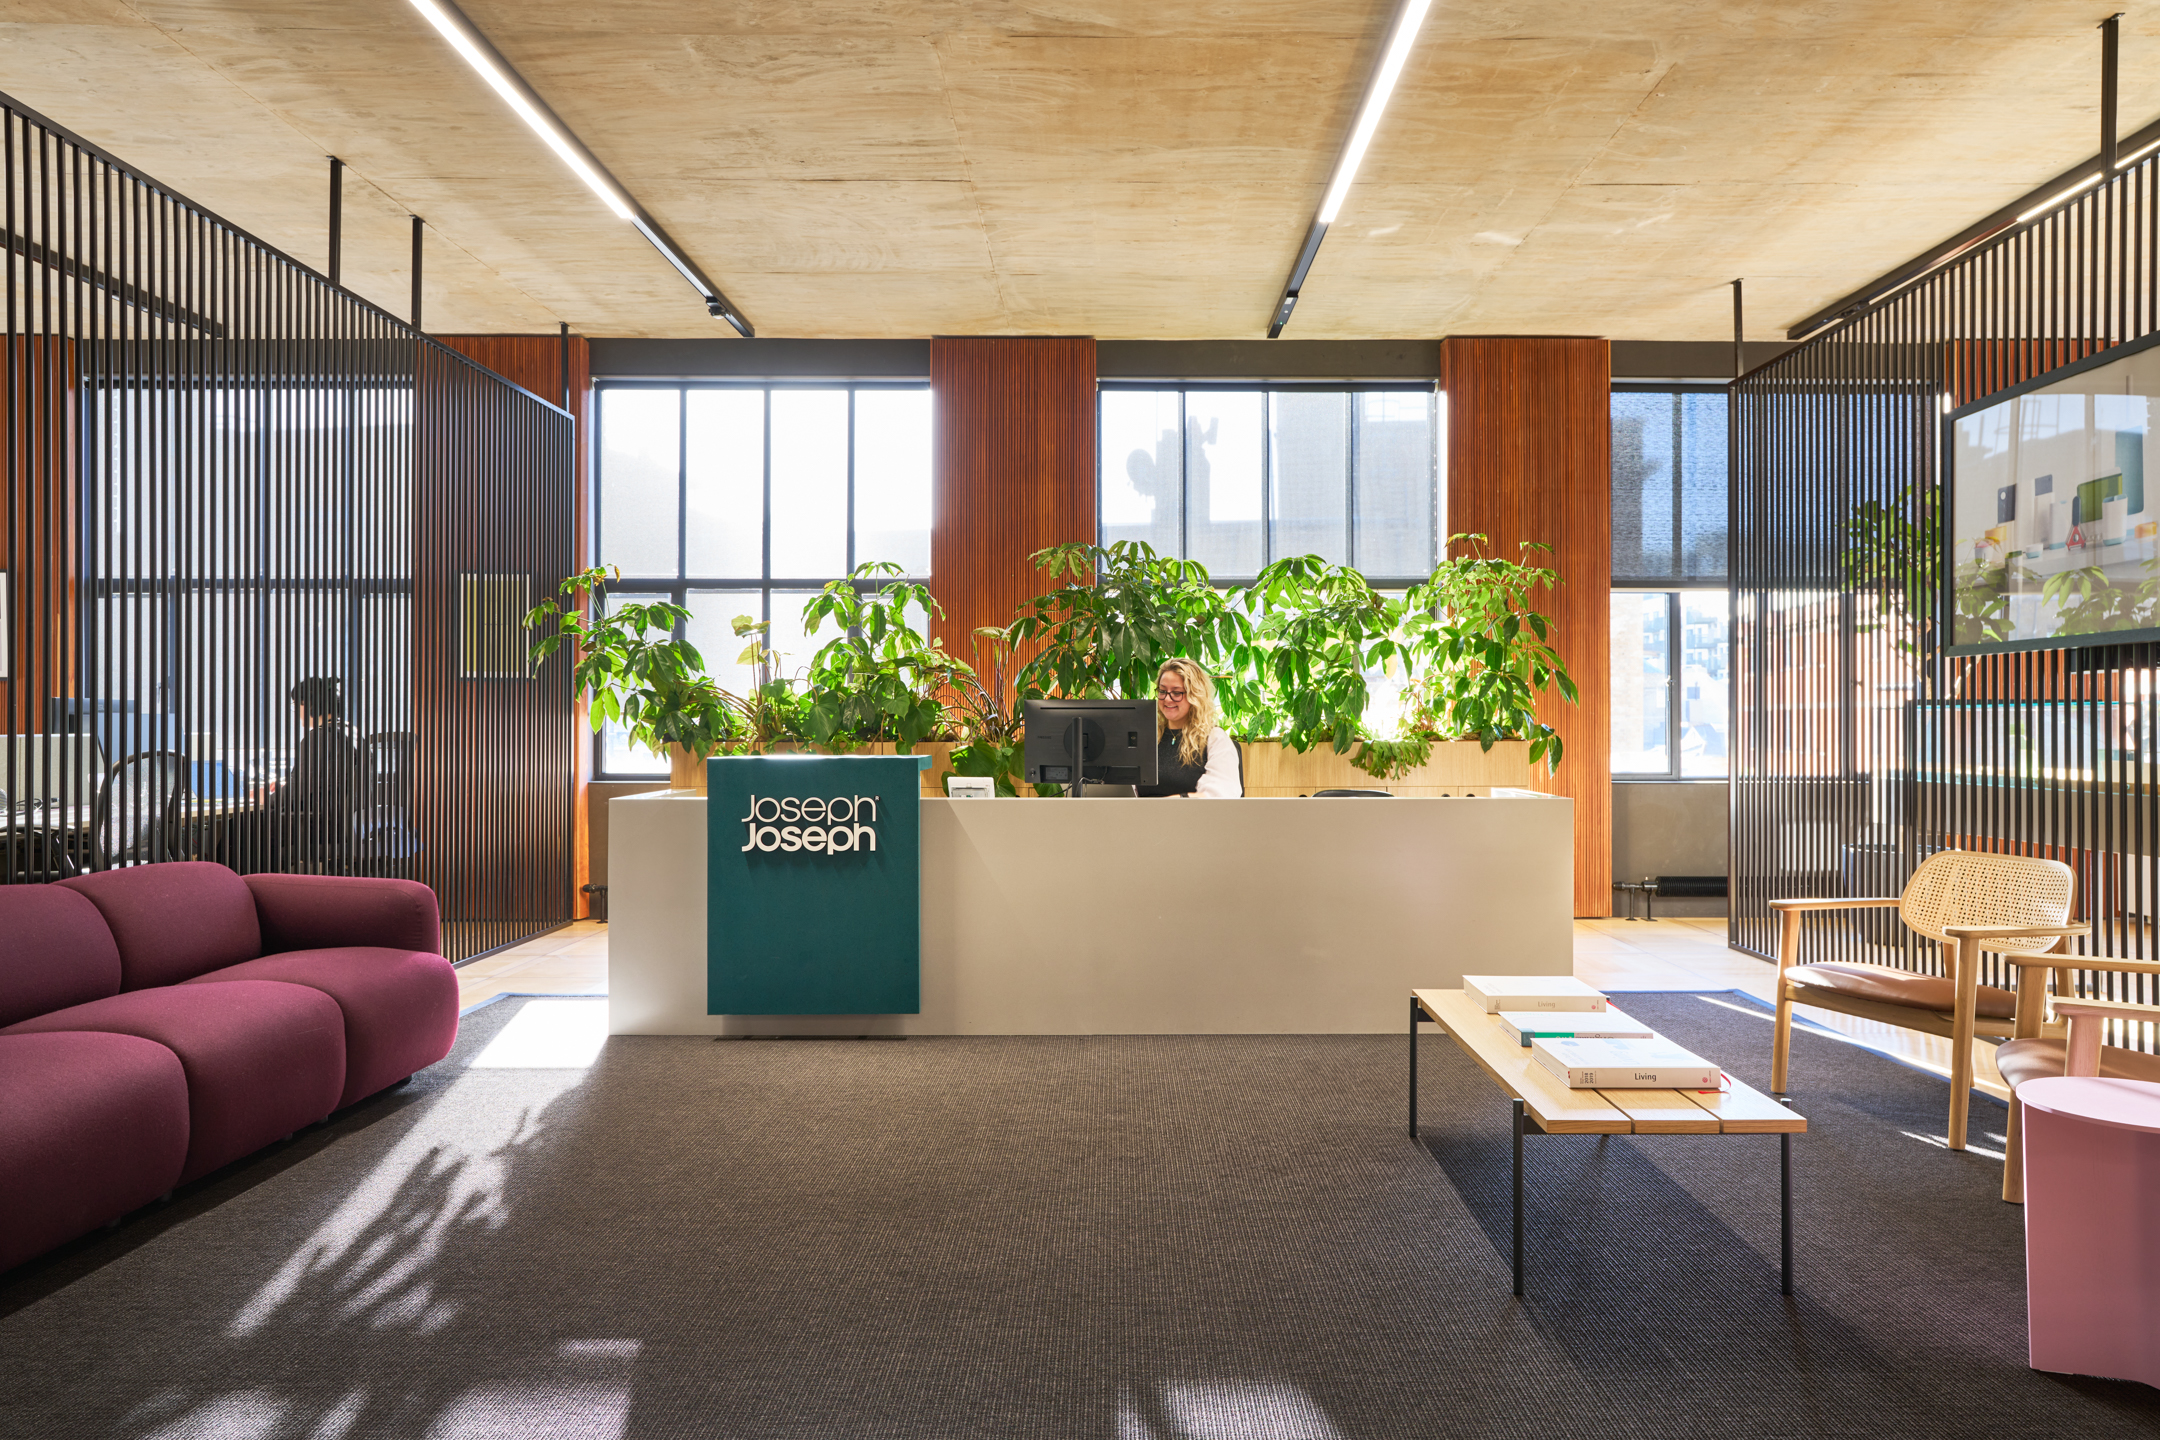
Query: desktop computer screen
[(1117, 738)]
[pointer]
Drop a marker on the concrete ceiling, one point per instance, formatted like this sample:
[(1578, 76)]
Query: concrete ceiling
[(1120, 168)]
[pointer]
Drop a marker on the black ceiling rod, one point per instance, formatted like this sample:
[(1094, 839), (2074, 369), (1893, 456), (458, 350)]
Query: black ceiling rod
[(419, 227), (337, 218), (566, 365), (1739, 336), (2110, 46), (2088, 172), (1288, 302)]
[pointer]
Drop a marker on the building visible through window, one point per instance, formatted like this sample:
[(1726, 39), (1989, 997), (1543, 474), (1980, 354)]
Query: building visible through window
[(1671, 678)]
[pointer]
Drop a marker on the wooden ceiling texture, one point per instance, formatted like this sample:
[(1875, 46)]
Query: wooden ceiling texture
[(1117, 168)]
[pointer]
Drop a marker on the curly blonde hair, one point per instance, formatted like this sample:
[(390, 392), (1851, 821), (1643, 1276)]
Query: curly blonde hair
[(1201, 723)]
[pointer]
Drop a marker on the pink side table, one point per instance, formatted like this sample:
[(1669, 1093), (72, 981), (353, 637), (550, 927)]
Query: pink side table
[(2092, 1226)]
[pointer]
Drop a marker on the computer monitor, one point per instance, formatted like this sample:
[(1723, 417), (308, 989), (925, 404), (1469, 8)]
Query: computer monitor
[(1117, 737)]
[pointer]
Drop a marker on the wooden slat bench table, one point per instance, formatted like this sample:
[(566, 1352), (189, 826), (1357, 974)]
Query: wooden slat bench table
[(1540, 1101)]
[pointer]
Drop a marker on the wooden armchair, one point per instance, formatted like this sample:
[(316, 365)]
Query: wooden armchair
[(2028, 1057), (1966, 901)]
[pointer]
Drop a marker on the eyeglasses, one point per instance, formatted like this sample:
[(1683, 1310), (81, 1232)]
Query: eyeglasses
[(1162, 694)]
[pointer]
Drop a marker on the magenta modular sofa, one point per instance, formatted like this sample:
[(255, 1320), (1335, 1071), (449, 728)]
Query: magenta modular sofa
[(160, 1021)]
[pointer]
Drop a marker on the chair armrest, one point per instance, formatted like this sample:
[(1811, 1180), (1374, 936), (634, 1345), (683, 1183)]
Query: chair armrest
[(1878, 903), (2013, 932), (2107, 1010), (2081, 1047), (2069, 961)]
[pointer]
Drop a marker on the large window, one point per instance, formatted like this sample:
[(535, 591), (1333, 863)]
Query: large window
[(1237, 476), (1670, 649), (737, 499)]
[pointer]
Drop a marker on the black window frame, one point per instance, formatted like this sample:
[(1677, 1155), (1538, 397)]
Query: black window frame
[(1435, 420), (677, 588)]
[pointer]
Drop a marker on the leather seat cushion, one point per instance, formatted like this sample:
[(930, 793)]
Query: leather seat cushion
[(1886, 986), (400, 1006), (262, 1059), (91, 1126), (2022, 1060)]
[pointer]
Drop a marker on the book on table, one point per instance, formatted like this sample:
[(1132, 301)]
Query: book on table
[(1653, 1064), (1530, 992), (1607, 1024)]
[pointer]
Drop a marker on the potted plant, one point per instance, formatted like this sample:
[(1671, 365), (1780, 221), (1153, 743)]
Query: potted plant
[(773, 715), (1121, 612), (987, 715), (1317, 631), (1485, 657), (635, 673), (880, 684)]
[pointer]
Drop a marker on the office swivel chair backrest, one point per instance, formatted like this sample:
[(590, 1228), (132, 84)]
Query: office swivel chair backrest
[(135, 822), (383, 835)]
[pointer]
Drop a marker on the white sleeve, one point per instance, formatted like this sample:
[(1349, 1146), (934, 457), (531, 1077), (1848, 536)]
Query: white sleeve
[(1222, 779)]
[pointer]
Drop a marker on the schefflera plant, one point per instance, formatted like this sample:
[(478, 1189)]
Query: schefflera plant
[(1483, 656)]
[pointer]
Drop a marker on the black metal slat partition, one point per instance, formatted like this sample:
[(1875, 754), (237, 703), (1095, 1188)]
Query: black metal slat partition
[(229, 480), (1859, 746)]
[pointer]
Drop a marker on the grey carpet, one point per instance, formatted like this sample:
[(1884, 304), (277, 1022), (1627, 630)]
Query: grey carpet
[(1132, 1238)]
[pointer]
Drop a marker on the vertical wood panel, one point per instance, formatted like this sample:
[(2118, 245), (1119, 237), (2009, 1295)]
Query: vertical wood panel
[(38, 528), (1014, 470), (1529, 449), (535, 362)]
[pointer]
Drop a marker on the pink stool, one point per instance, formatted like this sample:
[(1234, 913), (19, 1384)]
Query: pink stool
[(2092, 1226)]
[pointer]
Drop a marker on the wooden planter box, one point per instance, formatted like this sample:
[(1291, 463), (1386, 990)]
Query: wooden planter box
[(1457, 767)]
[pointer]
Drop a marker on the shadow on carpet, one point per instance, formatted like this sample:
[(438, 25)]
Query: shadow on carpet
[(1135, 1238)]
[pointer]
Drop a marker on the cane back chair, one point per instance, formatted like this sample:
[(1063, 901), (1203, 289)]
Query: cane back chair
[(1967, 902)]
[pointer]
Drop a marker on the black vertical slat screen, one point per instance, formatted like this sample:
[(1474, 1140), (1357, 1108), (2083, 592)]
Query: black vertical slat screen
[(229, 480), (1859, 747)]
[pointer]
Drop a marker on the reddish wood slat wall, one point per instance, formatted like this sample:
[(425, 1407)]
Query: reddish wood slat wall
[(1014, 471), (39, 525), (536, 363), (1529, 451)]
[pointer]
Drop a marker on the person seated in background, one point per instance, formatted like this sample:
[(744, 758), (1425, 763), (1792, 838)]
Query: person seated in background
[(1197, 757), (323, 784), (306, 818)]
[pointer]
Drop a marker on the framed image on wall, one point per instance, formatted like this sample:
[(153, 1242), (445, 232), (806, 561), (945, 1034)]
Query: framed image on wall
[(2052, 538)]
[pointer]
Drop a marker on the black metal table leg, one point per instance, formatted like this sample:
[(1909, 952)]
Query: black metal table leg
[(1517, 1107), (1785, 1207), (1413, 1066)]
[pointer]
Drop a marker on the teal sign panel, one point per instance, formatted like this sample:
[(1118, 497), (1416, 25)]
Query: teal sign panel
[(814, 885)]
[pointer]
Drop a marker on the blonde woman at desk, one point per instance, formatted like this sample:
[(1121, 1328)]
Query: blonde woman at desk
[(1197, 757)]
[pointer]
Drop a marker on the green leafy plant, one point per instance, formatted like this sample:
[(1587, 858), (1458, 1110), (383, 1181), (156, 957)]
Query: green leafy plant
[(989, 722), (1317, 630), (631, 668), (1121, 611), (880, 679), (1484, 656), (775, 711)]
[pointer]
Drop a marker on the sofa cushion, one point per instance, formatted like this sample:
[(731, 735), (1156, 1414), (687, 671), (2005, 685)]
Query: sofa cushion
[(400, 1006), (174, 921), (317, 912), (262, 1059), (55, 950), (91, 1126), (1887, 986)]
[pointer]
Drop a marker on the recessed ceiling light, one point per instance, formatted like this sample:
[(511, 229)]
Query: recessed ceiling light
[(487, 61), (1407, 22)]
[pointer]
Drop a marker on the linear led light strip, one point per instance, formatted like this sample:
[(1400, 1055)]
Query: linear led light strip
[(467, 40), (1407, 24)]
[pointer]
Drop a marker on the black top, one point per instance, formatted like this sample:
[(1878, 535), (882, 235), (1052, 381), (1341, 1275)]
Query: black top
[(1174, 776), (324, 781)]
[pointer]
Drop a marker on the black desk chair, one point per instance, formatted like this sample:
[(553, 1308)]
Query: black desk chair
[(138, 807), (1353, 794)]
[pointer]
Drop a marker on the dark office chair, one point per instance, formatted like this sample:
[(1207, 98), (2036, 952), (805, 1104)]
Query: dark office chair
[(1353, 795), (138, 807), (383, 838)]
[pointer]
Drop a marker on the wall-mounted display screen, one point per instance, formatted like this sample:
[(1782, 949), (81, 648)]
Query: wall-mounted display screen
[(2053, 536)]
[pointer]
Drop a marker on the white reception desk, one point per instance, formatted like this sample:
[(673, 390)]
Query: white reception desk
[(1131, 917)]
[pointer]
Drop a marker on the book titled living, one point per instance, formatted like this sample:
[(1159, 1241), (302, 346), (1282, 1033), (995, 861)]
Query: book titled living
[(1654, 1064)]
